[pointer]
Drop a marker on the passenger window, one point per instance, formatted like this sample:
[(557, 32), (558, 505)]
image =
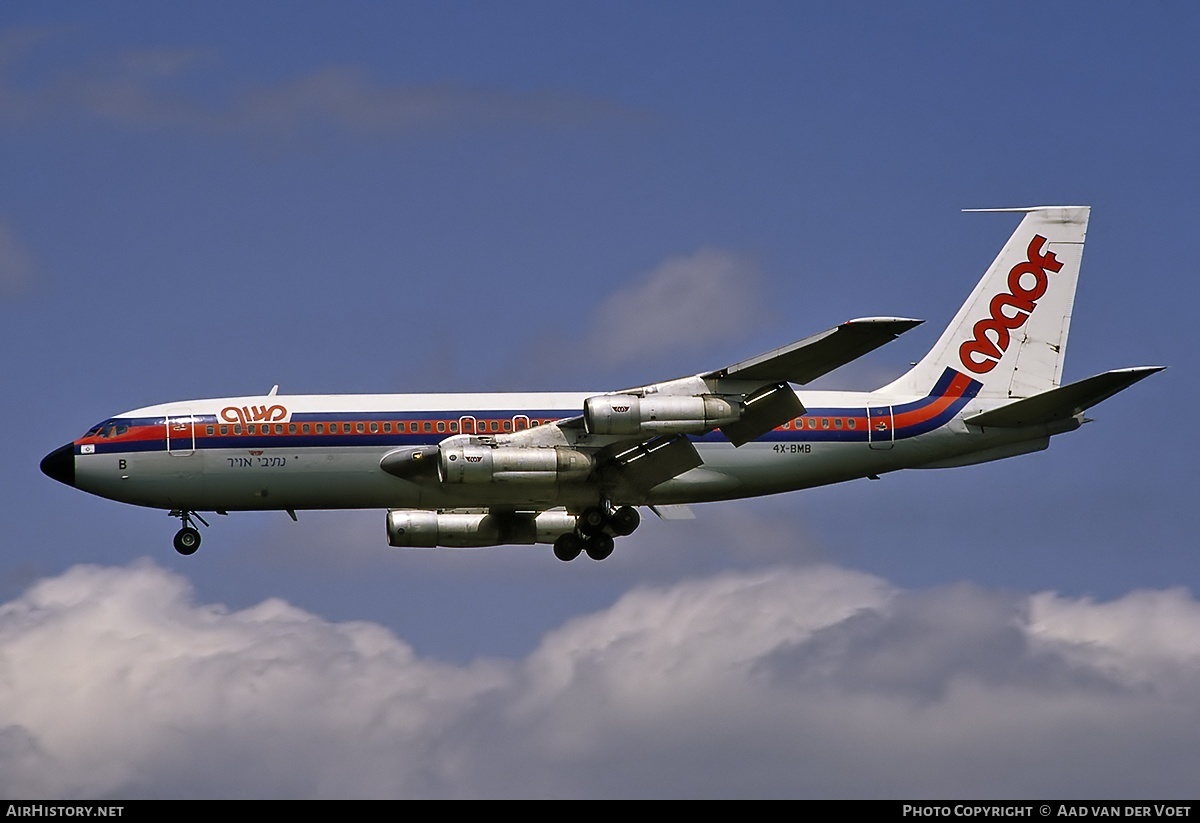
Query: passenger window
[(428, 426), (345, 428), (453, 425), (279, 428), (291, 428), (837, 422), (824, 422), (852, 423), (358, 427), (441, 426), (320, 428), (209, 430), (237, 429), (387, 428), (374, 428), (508, 425), (224, 430)]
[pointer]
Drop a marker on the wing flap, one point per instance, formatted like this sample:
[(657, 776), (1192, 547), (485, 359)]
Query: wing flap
[(674, 511), (656, 461), (806, 360), (1064, 402), (763, 410)]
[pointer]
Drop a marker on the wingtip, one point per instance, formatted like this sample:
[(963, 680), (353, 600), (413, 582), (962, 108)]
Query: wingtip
[(1143, 370), (906, 322)]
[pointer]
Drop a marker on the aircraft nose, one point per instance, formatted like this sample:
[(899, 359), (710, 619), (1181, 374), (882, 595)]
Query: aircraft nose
[(60, 464)]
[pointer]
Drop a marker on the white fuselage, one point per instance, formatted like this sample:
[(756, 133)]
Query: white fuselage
[(324, 451)]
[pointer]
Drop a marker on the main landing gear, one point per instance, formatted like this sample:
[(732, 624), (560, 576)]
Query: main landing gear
[(595, 529), (187, 539)]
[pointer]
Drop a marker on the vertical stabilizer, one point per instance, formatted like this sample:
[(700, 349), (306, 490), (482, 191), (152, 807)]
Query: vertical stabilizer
[(1011, 333)]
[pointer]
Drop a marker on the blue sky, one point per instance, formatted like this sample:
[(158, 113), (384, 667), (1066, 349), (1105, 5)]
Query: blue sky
[(209, 199)]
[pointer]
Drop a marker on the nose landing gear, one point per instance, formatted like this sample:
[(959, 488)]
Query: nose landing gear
[(595, 529), (187, 539)]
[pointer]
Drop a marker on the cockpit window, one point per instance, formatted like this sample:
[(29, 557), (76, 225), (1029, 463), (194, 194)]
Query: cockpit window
[(107, 429), (100, 429)]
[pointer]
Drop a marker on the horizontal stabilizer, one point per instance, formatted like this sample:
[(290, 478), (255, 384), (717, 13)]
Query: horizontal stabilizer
[(1064, 402), (806, 360)]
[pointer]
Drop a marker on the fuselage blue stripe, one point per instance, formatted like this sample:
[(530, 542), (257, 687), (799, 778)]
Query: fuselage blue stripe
[(861, 416)]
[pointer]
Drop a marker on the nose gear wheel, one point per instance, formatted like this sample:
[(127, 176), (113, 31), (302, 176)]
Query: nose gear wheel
[(187, 539)]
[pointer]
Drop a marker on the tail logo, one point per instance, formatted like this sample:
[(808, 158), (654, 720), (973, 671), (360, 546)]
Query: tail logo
[(982, 352)]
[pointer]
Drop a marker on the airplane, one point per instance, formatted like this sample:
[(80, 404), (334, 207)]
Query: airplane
[(572, 469)]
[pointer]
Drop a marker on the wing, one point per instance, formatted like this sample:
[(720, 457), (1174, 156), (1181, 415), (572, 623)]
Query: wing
[(807, 359), (636, 439), (649, 426)]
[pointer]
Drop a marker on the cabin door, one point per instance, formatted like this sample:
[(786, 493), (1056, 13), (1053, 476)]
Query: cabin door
[(181, 434), (879, 427)]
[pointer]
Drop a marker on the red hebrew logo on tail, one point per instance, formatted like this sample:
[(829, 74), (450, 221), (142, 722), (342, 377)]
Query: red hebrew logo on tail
[(982, 352)]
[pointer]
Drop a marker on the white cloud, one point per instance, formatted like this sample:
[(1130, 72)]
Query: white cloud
[(792, 682), (686, 301), (1138, 640), (176, 88), (348, 97), (114, 683)]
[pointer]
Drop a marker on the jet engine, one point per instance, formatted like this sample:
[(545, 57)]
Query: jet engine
[(409, 528), (471, 464), (623, 414)]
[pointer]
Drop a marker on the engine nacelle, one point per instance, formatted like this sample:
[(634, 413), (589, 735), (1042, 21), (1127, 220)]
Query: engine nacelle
[(410, 528), (657, 414), (472, 464)]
